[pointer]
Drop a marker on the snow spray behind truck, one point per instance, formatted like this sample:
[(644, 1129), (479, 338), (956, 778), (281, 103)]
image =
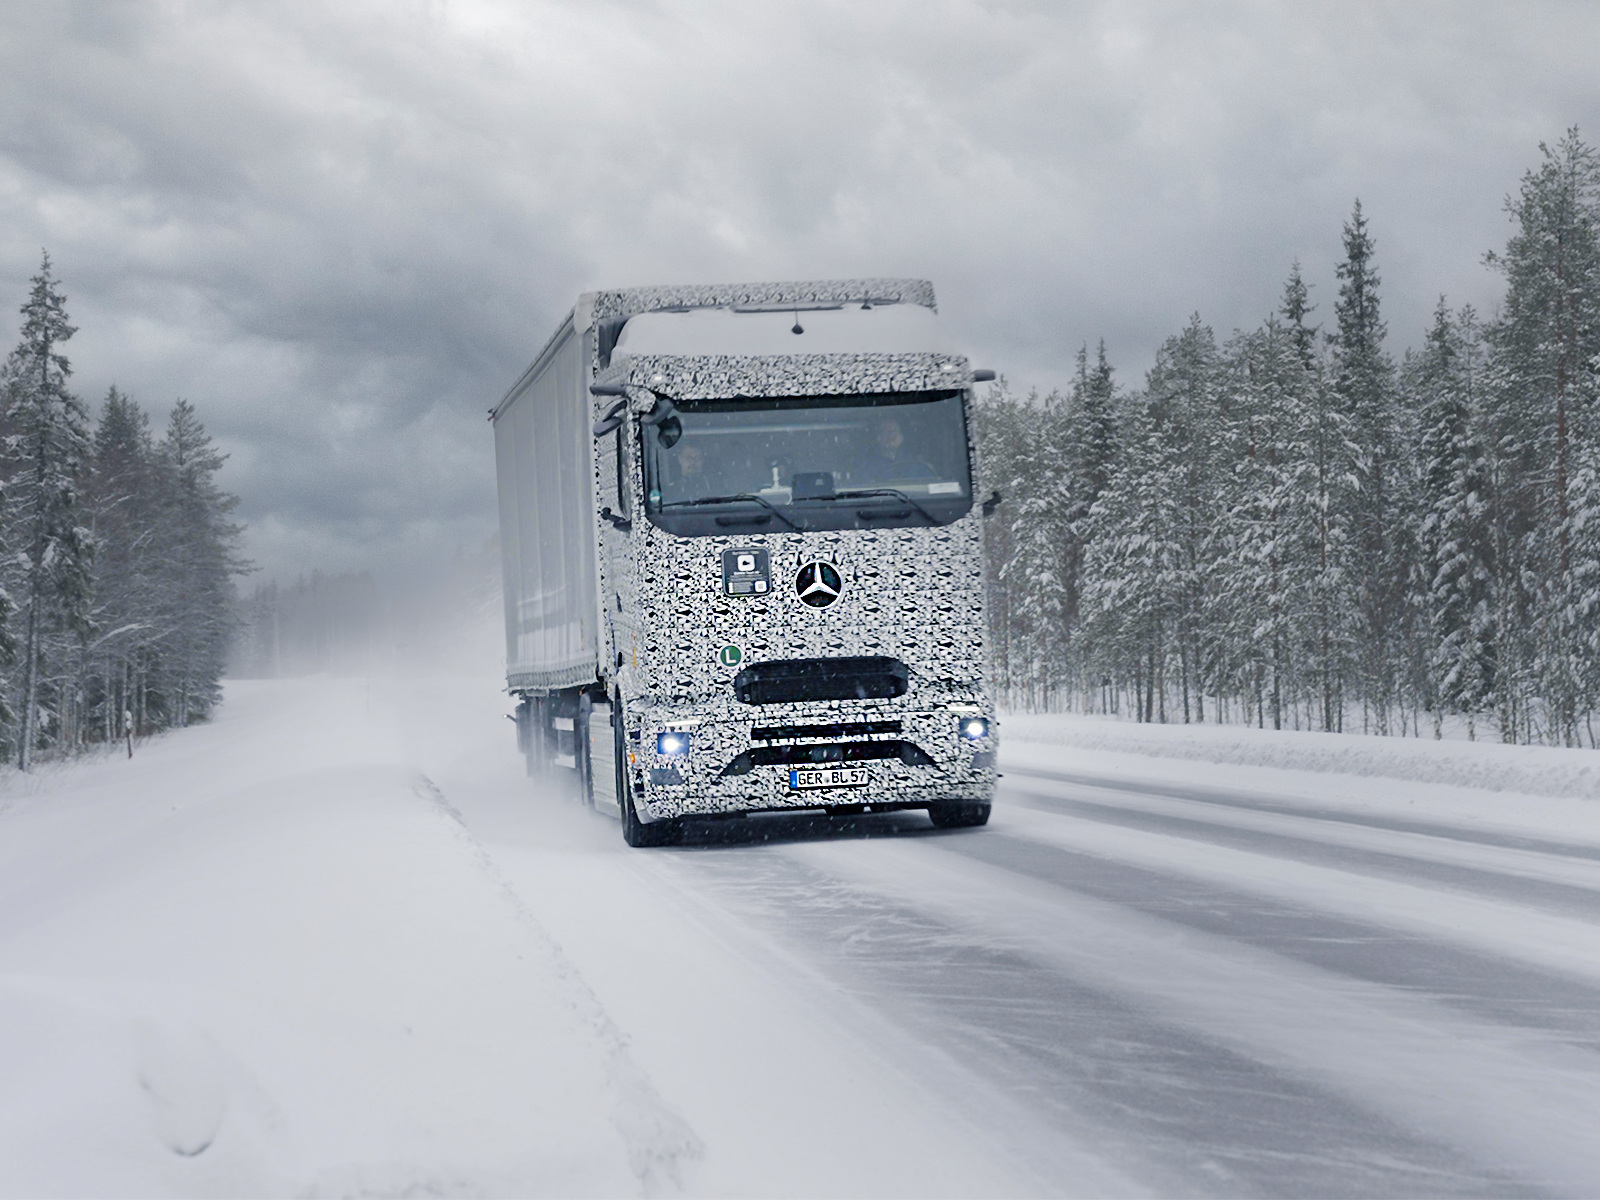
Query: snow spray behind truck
[(743, 555)]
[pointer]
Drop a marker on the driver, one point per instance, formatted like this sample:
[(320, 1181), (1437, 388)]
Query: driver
[(691, 462), (888, 459)]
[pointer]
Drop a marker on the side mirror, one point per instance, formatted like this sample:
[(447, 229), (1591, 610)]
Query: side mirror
[(613, 387), (983, 375), (994, 501)]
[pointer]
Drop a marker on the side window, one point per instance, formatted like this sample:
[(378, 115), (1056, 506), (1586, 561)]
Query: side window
[(624, 491)]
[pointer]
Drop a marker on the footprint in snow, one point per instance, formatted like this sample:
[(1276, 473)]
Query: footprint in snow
[(181, 1073)]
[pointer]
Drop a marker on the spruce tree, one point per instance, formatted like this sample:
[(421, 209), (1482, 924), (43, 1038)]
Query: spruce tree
[(197, 559), (1320, 475), (1296, 307), (1040, 564), (126, 509), (47, 449), (1364, 385), (1267, 554), (1088, 460), (1184, 395), (1455, 560), (1129, 568), (1002, 429), (1543, 423)]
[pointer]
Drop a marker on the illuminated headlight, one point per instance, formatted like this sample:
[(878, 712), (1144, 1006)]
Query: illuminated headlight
[(673, 742), (973, 728)]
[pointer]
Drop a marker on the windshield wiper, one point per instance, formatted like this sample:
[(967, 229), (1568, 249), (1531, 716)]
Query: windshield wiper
[(861, 493), (761, 500)]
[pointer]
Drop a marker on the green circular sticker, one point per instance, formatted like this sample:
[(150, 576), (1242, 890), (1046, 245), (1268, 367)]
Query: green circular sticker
[(730, 656)]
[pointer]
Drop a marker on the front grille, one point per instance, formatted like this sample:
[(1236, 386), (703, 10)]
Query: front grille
[(789, 681), (839, 729), (832, 752)]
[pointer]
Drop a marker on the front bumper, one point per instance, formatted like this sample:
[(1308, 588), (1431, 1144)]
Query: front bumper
[(906, 757)]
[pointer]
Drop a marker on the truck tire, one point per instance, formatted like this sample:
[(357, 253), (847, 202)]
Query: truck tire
[(634, 831), (958, 814)]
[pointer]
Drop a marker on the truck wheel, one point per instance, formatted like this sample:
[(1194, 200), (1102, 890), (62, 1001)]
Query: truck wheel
[(634, 831), (958, 814)]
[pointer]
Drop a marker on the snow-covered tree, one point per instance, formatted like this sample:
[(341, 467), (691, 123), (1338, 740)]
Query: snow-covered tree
[(1364, 385), (1454, 564), (126, 506), (1266, 558), (46, 448), (197, 557), (1543, 422)]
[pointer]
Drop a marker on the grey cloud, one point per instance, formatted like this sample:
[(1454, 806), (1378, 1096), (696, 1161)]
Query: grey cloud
[(342, 229)]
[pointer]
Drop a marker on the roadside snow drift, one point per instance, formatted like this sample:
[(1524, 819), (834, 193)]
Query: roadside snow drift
[(262, 958)]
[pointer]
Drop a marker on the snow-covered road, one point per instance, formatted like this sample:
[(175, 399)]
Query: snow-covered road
[(1143, 977)]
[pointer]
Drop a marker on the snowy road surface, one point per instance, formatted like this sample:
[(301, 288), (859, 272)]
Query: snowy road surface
[(336, 944)]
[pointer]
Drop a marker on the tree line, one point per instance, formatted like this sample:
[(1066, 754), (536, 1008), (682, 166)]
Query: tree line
[(1291, 528), (117, 556)]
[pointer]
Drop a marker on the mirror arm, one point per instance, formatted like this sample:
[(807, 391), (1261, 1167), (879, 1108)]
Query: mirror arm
[(994, 501), (617, 522), (663, 409), (611, 418)]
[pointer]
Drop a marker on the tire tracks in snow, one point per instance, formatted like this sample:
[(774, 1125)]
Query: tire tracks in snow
[(1514, 875), (1463, 978), (1512, 931), (1182, 1109), (1516, 1104), (659, 1143)]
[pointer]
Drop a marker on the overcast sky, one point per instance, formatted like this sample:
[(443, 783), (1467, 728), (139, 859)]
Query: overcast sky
[(341, 229)]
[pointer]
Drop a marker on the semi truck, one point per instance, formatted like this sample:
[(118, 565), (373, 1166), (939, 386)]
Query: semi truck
[(741, 530)]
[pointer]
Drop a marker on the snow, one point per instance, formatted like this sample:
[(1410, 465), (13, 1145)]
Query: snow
[(336, 943), (268, 934), (1539, 790), (1462, 1081), (849, 329)]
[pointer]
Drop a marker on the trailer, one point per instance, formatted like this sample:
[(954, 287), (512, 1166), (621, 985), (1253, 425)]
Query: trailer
[(743, 557)]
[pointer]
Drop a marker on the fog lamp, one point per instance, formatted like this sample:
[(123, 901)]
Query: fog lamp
[(973, 728), (673, 742)]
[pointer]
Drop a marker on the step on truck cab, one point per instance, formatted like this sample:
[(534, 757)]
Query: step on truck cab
[(742, 540)]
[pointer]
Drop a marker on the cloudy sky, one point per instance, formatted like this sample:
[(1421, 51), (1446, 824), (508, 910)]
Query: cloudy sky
[(342, 228)]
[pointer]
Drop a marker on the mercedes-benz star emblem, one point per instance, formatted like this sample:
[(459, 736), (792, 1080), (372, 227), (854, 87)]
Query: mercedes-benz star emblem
[(818, 584)]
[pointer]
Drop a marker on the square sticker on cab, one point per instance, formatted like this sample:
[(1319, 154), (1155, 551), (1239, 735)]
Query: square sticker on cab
[(745, 572)]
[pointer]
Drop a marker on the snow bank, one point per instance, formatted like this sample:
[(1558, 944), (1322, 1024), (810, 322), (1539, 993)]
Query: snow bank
[(264, 958), (1533, 770)]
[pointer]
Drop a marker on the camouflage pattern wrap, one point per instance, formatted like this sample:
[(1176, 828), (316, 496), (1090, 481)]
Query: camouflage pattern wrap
[(914, 594)]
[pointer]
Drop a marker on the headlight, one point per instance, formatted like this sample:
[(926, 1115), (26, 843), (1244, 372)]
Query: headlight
[(973, 728), (673, 742)]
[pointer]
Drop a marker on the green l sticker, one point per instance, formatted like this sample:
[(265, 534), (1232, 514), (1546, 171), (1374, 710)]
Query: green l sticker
[(730, 656)]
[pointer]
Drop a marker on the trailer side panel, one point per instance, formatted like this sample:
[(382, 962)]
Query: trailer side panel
[(544, 465)]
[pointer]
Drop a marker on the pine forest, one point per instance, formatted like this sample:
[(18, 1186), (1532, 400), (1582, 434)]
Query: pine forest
[(1294, 529), (117, 557)]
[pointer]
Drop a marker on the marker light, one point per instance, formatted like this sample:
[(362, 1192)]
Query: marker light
[(673, 742), (973, 728)]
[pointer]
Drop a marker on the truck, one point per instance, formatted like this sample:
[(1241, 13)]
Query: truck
[(742, 542)]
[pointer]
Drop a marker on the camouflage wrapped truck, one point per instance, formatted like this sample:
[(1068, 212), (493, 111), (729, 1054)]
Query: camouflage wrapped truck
[(742, 541)]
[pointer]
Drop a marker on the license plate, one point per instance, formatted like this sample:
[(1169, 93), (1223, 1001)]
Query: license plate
[(829, 777)]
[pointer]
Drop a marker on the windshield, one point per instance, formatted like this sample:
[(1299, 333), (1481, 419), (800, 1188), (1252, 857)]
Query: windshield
[(814, 462)]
